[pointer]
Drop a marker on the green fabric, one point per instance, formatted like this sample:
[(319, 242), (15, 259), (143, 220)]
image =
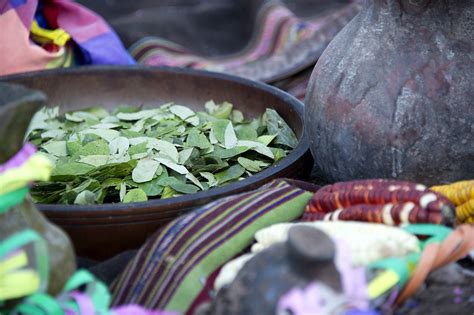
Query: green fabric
[(40, 304), (402, 266), (436, 233), (96, 290), (12, 199)]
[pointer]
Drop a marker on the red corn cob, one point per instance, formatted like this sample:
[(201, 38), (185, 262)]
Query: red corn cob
[(327, 202), (374, 184), (391, 214)]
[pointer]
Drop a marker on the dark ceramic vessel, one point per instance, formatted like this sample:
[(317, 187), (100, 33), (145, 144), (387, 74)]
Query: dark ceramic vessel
[(100, 231), (17, 107), (392, 95)]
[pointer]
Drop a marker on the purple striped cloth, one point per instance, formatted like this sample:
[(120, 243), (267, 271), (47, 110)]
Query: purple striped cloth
[(172, 268)]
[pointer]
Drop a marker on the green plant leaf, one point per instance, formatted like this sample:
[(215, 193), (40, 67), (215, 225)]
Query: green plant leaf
[(97, 147), (185, 114), (71, 168), (252, 165), (221, 111), (145, 170), (56, 148), (276, 125), (135, 195), (86, 197), (230, 174)]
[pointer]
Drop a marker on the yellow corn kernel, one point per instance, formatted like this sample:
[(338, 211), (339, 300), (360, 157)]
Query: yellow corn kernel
[(465, 211)]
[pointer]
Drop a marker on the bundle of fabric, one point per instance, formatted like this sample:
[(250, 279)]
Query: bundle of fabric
[(272, 41), (44, 34), (176, 268)]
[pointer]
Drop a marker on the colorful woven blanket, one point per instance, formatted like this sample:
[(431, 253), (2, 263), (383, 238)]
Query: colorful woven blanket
[(43, 34)]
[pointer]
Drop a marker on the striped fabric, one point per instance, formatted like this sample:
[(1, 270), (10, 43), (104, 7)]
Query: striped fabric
[(282, 45), (172, 268), (89, 38)]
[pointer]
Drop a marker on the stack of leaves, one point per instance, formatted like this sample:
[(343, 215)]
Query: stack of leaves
[(132, 155), (461, 194), (392, 202)]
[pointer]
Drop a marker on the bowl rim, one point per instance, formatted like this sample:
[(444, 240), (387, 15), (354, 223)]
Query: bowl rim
[(146, 206)]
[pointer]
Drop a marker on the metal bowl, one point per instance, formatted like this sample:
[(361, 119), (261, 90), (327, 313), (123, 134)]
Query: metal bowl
[(100, 231)]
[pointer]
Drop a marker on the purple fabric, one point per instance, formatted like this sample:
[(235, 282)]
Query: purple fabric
[(353, 279), (86, 306), (98, 50), (137, 310), (302, 301), (19, 159)]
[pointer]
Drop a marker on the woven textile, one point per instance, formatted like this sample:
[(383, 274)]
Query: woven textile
[(172, 268)]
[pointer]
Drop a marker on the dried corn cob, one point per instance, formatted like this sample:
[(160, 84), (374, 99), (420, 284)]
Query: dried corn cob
[(465, 211), (459, 196), (374, 184), (328, 202), (390, 214), (457, 185), (380, 201)]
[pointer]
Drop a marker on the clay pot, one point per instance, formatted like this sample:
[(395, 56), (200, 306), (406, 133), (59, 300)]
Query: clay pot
[(392, 95), (306, 256), (17, 106)]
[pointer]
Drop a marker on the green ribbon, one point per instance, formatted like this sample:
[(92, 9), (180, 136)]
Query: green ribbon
[(39, 304), (96, 290), (402, 266), (436, 233), (12, 199)]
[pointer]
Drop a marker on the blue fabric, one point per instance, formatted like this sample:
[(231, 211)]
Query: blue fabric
[(105, 49), (17, 3)]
